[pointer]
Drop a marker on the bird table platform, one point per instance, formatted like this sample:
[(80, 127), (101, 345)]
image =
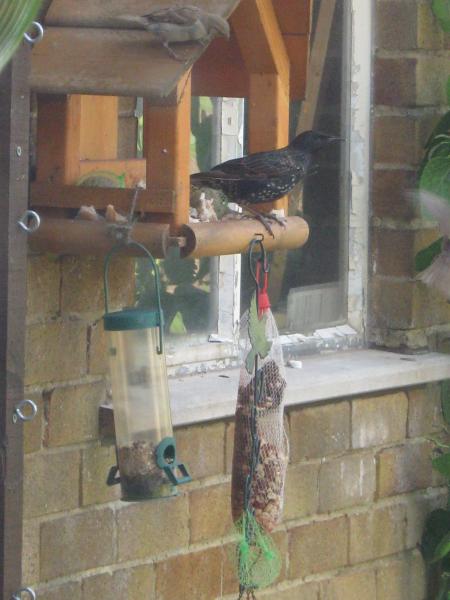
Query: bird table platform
[(93, 52)]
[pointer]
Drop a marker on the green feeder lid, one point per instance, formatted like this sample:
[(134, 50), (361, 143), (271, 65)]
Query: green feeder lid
[(131, 318)]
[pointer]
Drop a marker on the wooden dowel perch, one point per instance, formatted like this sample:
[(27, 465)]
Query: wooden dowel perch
[(66, 236), (234, 237)]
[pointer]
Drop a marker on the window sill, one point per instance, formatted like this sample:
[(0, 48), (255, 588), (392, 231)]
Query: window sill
[(201, 398)]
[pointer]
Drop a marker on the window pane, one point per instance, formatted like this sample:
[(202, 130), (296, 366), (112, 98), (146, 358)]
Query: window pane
[(307, 285)]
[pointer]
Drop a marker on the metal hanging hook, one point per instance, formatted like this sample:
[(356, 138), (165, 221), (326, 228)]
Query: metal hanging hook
[(19, 414), (18, 595), (30, 221), (38, 33), (262, 259)]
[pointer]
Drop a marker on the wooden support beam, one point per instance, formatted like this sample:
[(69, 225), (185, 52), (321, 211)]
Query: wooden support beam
[(316, 65), (264, 52), (167, 149), (14, 155), (72, 128)]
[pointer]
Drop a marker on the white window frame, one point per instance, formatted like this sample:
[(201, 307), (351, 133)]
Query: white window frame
[(196, 354)]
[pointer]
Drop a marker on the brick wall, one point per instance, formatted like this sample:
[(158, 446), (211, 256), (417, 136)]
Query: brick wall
[(359, 484), (410, 73)]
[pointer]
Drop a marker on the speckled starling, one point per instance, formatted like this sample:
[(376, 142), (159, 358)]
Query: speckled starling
[(264, 176)]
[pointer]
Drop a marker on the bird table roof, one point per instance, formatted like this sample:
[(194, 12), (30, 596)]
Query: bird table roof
[(85, 50)]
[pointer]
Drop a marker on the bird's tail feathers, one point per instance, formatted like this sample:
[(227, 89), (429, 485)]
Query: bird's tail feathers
[(433, 207), (132, 19), (437, 275)]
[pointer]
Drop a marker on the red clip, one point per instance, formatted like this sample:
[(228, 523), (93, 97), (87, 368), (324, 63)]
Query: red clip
[(263, 296)]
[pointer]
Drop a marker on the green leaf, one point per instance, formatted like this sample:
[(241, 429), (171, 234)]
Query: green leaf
[(425, 257), (436, 176), (441, 9), (445, 400), (442, 549), (436, 527), (448, 90), (442, 464), (257, 334), (442, 127), (15, 18)]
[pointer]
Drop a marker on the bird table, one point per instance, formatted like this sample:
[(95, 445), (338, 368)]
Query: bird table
[(90, 55)]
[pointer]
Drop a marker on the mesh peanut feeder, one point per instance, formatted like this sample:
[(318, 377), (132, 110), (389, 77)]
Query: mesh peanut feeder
[(260, 454)]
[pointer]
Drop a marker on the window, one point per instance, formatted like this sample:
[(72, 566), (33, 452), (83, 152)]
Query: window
[(318, 291)]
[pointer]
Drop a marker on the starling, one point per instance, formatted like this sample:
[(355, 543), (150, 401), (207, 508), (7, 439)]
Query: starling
[(264, 176), (177, 24)]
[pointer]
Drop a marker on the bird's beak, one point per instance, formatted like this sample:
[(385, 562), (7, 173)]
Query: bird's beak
[(332, 139)]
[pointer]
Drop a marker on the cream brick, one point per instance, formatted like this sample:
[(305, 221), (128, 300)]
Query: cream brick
[(380, 420), (97, 349), (310, 550), (350, 586), (202, 449), (402, 578), (66, 590), (150, 528), (43, 283), (127, 584), (196, 575), (302, 491), (30, 551), (425, 411), (418, 507), (210, 511), (377, 532), (51, 482), (306, 591), (76, 543), (33, 430), (404, 469), (55, 351), (229, 445), (82, 284), (346, 481), (319, 431), (96, 463), (72, 414)]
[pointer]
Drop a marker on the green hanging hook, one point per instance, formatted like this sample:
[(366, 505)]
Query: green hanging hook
[(133, 318)]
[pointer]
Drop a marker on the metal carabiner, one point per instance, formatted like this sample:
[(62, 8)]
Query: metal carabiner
[(27, 590), (30, 221), (262, 260), (39, 34), (19, 414)]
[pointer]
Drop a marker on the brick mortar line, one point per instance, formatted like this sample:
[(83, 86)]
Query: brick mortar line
[(411, 53), (396, 225), (394, 167), (38, 388), (291, 584), (414, 112)]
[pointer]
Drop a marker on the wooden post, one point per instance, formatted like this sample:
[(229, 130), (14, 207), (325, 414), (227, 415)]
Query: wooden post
[(73, 128), (167, 131), (14, 126), (264, 52)]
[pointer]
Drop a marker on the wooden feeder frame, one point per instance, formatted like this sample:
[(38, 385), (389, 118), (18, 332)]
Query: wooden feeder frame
[(84, 63)]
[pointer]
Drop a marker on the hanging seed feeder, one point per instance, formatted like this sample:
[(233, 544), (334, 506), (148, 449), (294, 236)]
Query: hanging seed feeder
[(147, 465)]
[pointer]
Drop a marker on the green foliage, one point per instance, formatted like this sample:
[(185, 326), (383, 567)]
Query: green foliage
[(435, 544), (15, 18), (441, 10), (257, 334), (425, 257)]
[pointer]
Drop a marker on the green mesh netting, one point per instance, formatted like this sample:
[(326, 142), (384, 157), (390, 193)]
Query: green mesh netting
[(15, 18), (258, 561)]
